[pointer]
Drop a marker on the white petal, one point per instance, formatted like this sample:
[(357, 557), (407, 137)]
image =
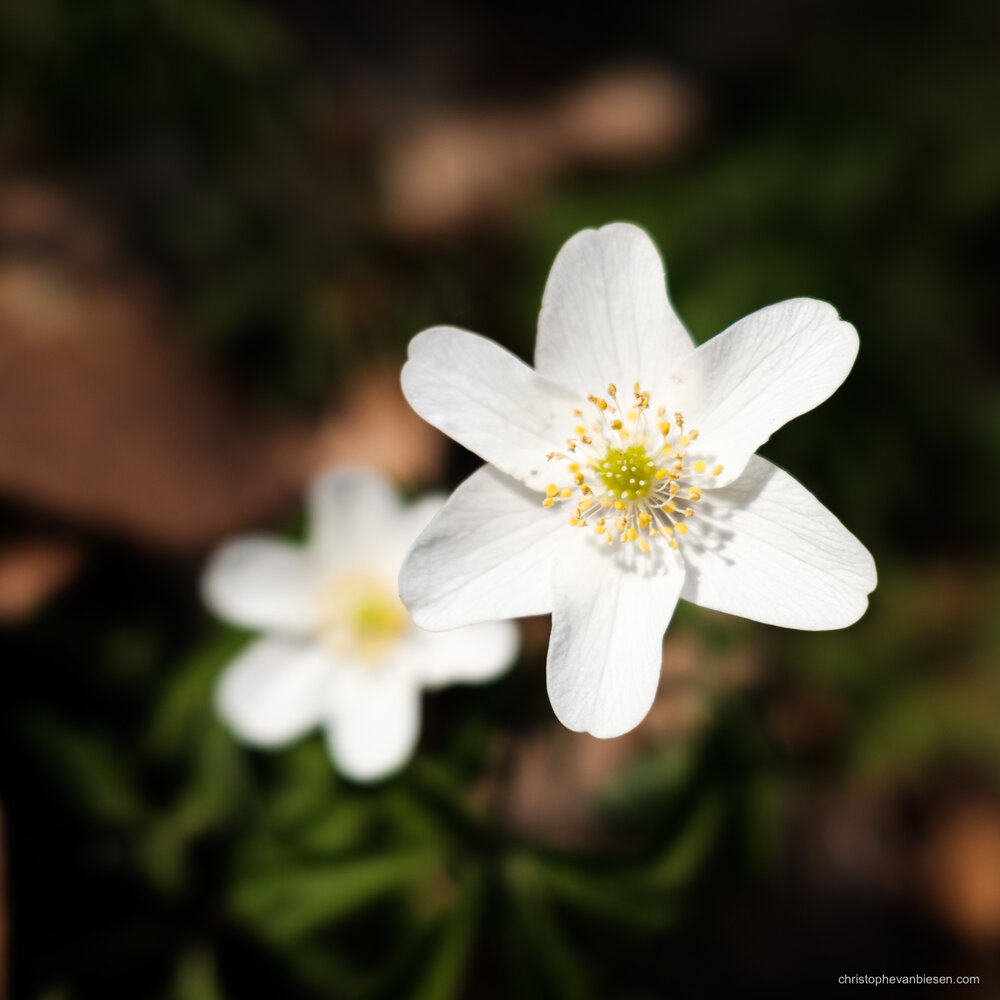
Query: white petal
[(261, 582), (606, 316), (607, 639), (419, 514), (487, 555), (375, 718), (475, 653), (776, 554), (765, 369), (275, 691), (488, 400), (348, 509)]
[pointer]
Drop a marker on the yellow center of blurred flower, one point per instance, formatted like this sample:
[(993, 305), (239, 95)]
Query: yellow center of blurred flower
[(360, 616), (632, 476)]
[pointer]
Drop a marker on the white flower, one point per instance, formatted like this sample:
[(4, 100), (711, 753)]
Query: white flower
[(622, 476), (341, 651)]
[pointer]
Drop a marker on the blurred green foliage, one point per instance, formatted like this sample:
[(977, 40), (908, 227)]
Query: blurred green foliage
[(154, 857)]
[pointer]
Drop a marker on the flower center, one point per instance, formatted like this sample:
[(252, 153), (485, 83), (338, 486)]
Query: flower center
[(633, 476), (627, 472), (360, 616)]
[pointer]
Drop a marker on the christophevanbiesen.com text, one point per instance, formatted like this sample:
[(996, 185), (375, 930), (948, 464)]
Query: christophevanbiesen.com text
[(915, 979)]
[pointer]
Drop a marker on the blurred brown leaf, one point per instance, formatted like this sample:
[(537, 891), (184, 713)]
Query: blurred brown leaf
[(32, 571), (961, 871), (372, 424), (451, 169), (106, 419)]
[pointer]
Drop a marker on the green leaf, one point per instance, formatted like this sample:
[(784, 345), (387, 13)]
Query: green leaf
[(443, 973), (285, 904), (185, 704), (617, 896), (90, 768), (562, 967), (688, 852)]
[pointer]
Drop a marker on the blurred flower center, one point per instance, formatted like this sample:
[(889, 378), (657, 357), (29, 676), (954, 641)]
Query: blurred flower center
[(632, 475), (360, 616)]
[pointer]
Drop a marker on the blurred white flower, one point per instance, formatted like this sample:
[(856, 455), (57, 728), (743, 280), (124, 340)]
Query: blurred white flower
[(341, 650), (645, 445)]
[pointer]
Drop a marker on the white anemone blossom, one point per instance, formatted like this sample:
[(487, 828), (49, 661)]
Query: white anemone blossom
[(341, 650), (622, 476)]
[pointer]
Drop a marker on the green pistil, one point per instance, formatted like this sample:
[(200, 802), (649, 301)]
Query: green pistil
[(377, 616), (627, 473)]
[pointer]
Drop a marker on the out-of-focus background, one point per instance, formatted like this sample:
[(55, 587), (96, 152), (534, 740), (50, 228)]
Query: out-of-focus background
[(220, 223)]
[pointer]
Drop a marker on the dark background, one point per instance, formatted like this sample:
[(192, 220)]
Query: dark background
[(220, 224)]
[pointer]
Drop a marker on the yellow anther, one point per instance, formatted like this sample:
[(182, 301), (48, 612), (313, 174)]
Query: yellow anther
[(580, 429), (673, 544), (660, 473), (585, 439), (644, 519), (679, 420), (635, 387), (682, 528), (699, 466), (584, 504), (689, 511), (620, 505), (574, 521), (631, 534), (608, 539), (684, 441), (578, 479), (574, 467), (673, 489), (664, 427), (616, 425), (612, 389), (551, 490), (577, 413), (633, 415), (565, 493), (621, 523), (599, 528), (717, 470), (694, 493), (666, 529), (643, 545), (693, 435), (571, 445), (667, 449), (586, 491), (549, 502)]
